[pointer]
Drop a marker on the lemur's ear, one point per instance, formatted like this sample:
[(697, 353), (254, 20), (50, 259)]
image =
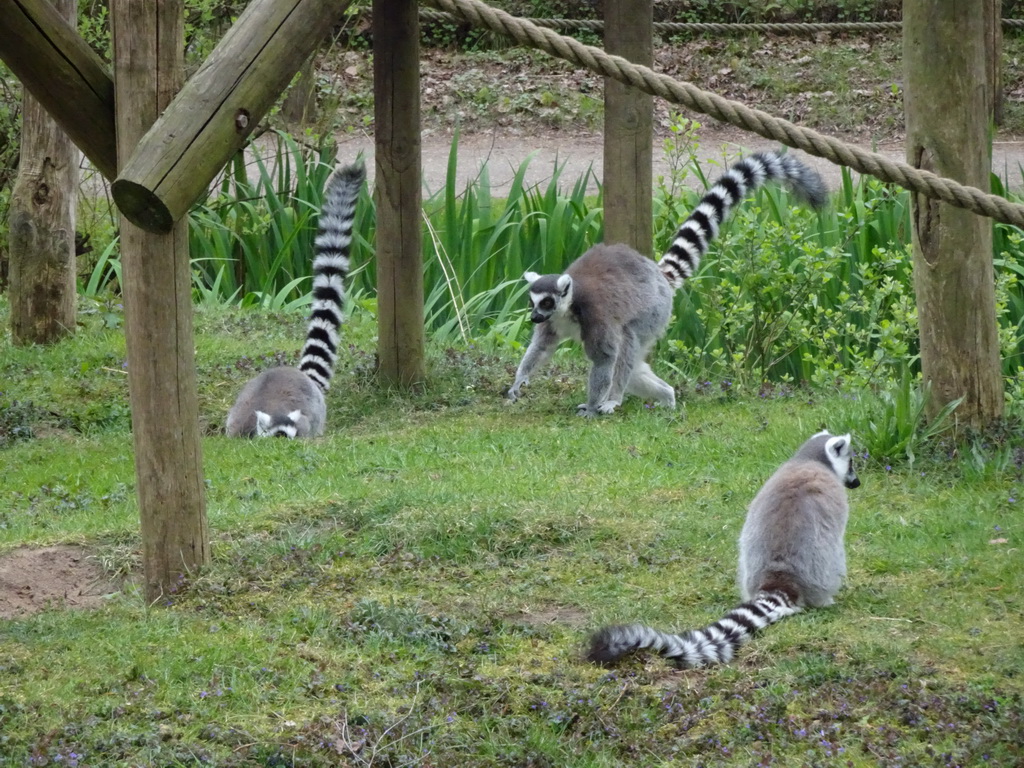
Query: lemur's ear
[(530, 277), (564, 281), (295, 415), (838, 445)]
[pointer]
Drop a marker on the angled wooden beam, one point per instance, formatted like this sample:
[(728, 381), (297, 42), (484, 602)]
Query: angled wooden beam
[(218, 108), (63, 74)]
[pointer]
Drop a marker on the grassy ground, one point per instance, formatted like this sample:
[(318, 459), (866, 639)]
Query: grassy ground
[(415, 587)]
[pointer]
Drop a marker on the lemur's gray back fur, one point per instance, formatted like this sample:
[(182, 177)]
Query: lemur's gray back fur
[(790, 556), (286, 401), (618, 302)]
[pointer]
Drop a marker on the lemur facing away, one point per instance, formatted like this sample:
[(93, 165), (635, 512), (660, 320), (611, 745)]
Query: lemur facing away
[(287, 401), (618, 302), (791, 556)]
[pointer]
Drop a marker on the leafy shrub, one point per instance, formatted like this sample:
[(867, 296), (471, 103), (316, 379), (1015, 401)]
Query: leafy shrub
[(891, 425)]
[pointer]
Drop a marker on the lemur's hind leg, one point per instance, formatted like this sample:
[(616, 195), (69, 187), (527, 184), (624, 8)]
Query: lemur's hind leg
[(602, 345), (645, 385), (625, 363)]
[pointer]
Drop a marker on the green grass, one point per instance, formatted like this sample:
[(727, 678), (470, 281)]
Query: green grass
[(415, 587)]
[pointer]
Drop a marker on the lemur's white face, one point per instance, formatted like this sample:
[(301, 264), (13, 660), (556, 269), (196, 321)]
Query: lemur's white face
[(549, 294), (840, 456), (277, 426)]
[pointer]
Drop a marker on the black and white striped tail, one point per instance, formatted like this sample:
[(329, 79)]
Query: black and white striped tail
[(330, 268), (696, 233), (716, 644)]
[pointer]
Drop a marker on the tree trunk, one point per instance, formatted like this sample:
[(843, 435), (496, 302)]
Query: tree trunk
[(396, 78), (42, 225), (628, 137), (947, 116), (148, 55)]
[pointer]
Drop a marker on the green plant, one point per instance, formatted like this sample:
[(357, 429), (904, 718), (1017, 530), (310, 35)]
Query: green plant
[(476, 248), (395, 623), (253, 238), (790, 295), (94, 26), (891, 424), (105, 277)]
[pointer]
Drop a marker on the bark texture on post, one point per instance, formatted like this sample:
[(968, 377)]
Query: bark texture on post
[(42, 225), (148, 48), (993, 13), (947, 114), (396, 77), (628, 136)]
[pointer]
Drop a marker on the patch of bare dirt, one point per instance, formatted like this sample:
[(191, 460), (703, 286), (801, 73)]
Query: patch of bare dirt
[(33, 579)]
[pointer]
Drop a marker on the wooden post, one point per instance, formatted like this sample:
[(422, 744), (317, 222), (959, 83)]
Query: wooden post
[(60, 70), (42, 225), (396, 77), (219, 107), (947, 117), (993, 13), (148, 58), (628, 136)]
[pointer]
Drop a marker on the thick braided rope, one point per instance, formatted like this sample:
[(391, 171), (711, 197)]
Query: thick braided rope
[(671, 27), (735, 113)]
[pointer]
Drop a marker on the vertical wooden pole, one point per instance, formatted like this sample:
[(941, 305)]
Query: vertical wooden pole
[(947, 117), (148, 57), (628, 121), (993, 13), (396, 77), (42, 224)]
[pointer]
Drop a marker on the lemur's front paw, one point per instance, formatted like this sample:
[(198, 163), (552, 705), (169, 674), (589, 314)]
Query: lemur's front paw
[(603, 409), (668, 401), (513, 392)]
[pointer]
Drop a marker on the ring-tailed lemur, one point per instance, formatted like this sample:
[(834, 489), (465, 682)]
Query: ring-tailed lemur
[(791, 556), (618, 302), (287, 401)]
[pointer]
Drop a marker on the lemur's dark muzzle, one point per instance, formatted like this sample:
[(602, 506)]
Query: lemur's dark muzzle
[(855, 483), (537, 318)]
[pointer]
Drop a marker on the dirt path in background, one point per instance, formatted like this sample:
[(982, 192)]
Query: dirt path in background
[(575, 154)]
